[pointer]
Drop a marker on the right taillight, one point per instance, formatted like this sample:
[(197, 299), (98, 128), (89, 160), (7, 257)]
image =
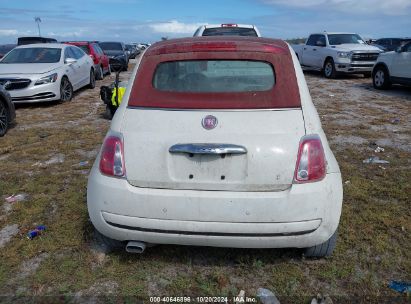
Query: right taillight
[(311, 165), (112, 157)]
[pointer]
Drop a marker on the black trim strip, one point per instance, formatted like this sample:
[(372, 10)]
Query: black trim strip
[(210, 233), (401, 80), (35, 97)]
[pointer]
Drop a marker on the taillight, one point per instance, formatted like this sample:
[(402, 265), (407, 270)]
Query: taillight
[(112, 157), (229, 25), (92, 57), (311, 165)]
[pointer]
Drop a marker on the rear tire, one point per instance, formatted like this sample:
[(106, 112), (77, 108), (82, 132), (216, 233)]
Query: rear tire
[(92, 83), (100, 74), (329, 69), (322, 250), (381, 78), (4, 118), (109, 244)]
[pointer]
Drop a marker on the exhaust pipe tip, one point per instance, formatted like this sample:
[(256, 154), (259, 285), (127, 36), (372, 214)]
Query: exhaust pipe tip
[(135, 247)]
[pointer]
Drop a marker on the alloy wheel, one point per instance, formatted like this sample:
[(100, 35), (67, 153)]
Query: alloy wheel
[(328, 69), (66, 90), (379, 78)]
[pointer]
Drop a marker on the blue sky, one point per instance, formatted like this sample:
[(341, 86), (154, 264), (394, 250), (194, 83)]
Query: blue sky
[(149, 20)]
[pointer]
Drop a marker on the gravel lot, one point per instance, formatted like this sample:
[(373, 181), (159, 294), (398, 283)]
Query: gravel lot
[(47, 155)]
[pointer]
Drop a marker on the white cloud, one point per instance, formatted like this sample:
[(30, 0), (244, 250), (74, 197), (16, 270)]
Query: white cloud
[(74, 34), (175, 27), (391, 7), (9, 32)]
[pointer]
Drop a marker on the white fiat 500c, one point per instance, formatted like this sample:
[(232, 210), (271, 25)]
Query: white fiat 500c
[(217, 143)]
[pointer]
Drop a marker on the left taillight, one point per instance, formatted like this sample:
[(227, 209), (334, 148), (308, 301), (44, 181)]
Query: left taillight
[(112, 157), (311, 164)]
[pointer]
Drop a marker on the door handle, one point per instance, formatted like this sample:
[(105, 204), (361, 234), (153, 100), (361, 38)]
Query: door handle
[(314, 49), (305, 49), (208, 149)]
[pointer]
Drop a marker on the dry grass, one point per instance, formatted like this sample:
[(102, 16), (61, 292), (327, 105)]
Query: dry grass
[(374, 245)]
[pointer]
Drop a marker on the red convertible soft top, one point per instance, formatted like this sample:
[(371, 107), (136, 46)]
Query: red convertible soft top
[(219, 44), (284, 94)]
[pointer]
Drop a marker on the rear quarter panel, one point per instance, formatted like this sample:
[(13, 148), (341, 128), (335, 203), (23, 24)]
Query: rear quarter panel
[(311, 117)]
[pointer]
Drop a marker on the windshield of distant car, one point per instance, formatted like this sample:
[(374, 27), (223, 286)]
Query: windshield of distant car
[(214, 76), (111, 46), (33, 55), (336, 39), (230, 31)]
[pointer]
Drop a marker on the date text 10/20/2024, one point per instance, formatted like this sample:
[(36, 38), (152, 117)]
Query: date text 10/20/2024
[(203, 300)]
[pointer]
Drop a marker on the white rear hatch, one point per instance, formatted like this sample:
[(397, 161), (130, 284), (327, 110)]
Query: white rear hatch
[(270, 138), (248, 90)]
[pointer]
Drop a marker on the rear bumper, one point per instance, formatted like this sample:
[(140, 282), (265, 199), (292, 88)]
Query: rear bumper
[(302, 216)]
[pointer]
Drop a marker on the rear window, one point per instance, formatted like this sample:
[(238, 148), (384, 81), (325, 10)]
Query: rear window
[(230, 31), (111, 46), (84, 48), (216, 80), (214, 76)]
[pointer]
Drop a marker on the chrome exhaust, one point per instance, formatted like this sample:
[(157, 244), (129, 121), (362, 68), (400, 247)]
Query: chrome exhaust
[(135, 247)]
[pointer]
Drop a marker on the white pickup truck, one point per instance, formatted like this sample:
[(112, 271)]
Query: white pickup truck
[(335, 53)]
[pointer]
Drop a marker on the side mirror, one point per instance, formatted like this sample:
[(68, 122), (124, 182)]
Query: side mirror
[(116, 65), (70, 61), (399, 49)]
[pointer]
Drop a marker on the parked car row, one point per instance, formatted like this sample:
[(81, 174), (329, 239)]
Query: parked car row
[(39, 69), (46, 72), (100, 52), (141, 46), (132, 51)]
